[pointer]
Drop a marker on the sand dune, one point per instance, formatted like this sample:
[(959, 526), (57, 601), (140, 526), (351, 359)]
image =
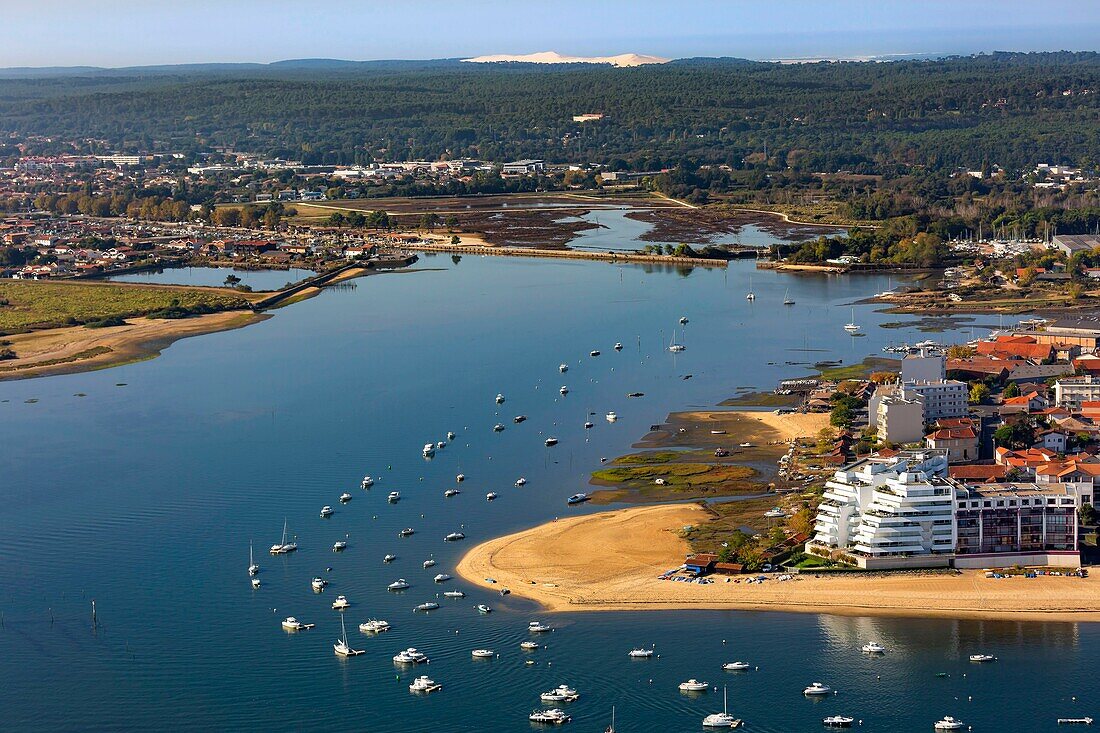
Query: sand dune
[(610, 561), (553, 57)]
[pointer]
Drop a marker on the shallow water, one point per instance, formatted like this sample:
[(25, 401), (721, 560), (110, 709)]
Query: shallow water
[(215, 277), (144, 493)]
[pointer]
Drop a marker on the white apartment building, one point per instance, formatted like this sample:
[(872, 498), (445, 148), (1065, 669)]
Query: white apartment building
[(899, 417), (922, 367), (942, 397), (1071, 392), (892, 512)]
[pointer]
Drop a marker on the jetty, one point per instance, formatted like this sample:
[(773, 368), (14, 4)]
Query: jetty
[(573, 254)]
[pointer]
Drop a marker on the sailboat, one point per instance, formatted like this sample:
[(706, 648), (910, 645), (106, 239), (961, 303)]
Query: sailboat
[(852, 326), (253, 568), (341, 646), (751, 295), (673, 346), (611, 728), (787, 297), (284, 547), (722, 719)]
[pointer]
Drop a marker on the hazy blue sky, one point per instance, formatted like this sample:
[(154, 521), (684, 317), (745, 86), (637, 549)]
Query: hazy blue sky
[(129, 32)]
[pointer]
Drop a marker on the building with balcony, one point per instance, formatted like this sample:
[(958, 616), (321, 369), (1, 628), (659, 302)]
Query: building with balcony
[(1018, 524)]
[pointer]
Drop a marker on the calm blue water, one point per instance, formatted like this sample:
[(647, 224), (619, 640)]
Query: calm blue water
[(145, 496), (215, 276)]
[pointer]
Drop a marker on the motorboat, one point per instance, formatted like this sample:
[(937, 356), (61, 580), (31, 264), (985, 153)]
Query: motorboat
[(253, 568), (521, 481), (745, 445), (640, 653), (292, 624), (618, 346), (498, 428), (837, 721), (722, 719), (345, 497), (451, 435), (1074, 721), (563, 368), (454, 537), (318, 583), (399, 584), (374, 626), (407, 532), (341, 647), (528, 646), (340, 603), (255, 582), (635, 394), (500, 399), (694, 685), (588, 425), (949, 723), (441, 578), (423, 683), (594, 352), (551, 441), (367, 482), (389, 558), (339, 546), (982, 658), (460, 477), (577, 499), (775, 513), (611, 417), (490, 496), (482, 654), (410, 656), (538, 627), (326, 511), (430, 562), (454, 594), (429, 450), (482, 608), (683, 320), (553, 716), (519, 418), (394, 496), (451, 492), (561, 693), (283, 547), (440, 445), (429, 606), (817, 689), (873, 647), (736, 666), (564, 390)]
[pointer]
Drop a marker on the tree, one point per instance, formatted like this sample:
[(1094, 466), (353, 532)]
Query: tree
[(1012, 390), (979, 393), (883, 377), (1018, 435), (959, 351), (802, 521), (825, 439), (1087, 515), (225, 216)]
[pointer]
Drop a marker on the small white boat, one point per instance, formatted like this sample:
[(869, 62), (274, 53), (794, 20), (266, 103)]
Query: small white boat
[(482, 608), (528, 646), (1074, 721), (367, 482), (460, 477), (588, 425), (441, 578), (284, 547), (746, 445), (611, 417), (450, 435), (673, 345), (561, 693), (430, 562), (564, 389), (340, 603), (618, 346), (683, 320), (451, 492), (736, 666), (594, 352), (982, 658), (399, 584), (500, 399), (521, 481), (817, 689), (454, 537), (722, 719), (423, 683), (553, 716), (694, 685), (787, 298), (345, 497), (775, 513), (852, 326), (341, 647), (410, 656), (440, 445), (538, 627), (318, 583), (751, 295), (255, 582), (339, 546), (429, 606), (563, 368), (949, 723), (873, 647), (394, 496), (519, 418), (837, 721), (326, 511), (389, 558), (640, 653), (292, 624), (498, 428), (253, 568), (551, 441), (490, 496), (407, 532), (374, 626), (577, 499), (454, 594), (482, 654), (428, 450)]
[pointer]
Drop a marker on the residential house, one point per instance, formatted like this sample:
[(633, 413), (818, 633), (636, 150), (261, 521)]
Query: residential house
[(1073, 391), (959, 442)]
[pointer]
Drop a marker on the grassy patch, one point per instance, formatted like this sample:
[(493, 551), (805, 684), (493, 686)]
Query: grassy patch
[(35, 305), (79, 356), (729, 516), (761, 399), (634, 459), (675, 474), (860, 370)]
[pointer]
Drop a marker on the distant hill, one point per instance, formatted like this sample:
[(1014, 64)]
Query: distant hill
[(553, 57)]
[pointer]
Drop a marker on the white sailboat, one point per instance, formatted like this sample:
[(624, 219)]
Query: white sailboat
[(722, 719), (341, 647), (751, 295), (611, 728), (673, 346), (284, 547), (253, 568), (852, 326), (787, 297)]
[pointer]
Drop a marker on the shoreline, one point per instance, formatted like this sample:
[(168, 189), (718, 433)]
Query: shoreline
[(609, 561)]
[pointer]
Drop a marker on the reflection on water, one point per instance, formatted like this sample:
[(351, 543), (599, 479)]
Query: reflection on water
[(216, 276)]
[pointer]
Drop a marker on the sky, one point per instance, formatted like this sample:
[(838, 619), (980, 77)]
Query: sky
[(142, 32)]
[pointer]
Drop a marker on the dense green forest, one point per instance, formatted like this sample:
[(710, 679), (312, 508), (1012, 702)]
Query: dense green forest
[(886, 118)]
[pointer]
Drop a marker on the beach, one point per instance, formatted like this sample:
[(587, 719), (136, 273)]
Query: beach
[(610, 561)]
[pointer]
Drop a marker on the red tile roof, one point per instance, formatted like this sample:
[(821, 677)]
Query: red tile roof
[(979, 473)]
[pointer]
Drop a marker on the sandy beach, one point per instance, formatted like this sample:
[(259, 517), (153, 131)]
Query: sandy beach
[(79, 349), (610, 562)]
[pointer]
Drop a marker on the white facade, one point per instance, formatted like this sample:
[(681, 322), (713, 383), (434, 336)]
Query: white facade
[(889, 512), (942, 397), (923, 368), (900, 417), (1070, 393)]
